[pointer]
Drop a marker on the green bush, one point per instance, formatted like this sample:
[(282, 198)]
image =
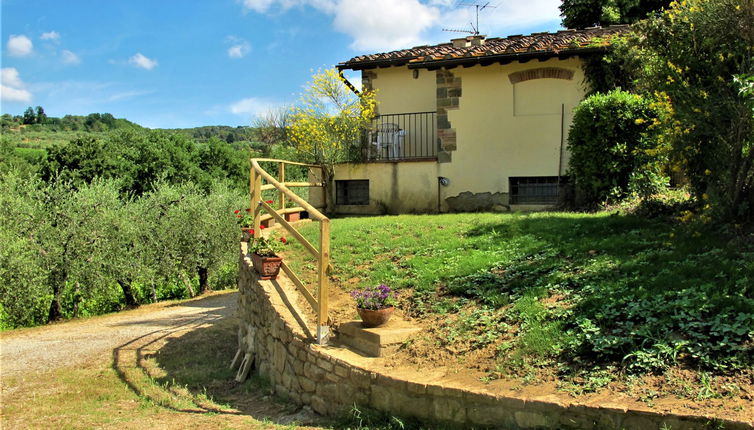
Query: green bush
[(696, 57), (613, 153)]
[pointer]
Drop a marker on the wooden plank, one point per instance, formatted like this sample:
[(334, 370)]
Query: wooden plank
[(265, 217), (303, 184), (255, 199), (299, 285), (323, 280), (293, 184), (281, 194), (279, 218), (293, 163), (313, 212), (251, 186)]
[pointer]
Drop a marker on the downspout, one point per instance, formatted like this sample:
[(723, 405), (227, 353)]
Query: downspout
[(347, 82), (562, 137)]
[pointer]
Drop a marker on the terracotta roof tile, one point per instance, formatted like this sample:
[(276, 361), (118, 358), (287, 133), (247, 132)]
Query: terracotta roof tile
[(563, 43)]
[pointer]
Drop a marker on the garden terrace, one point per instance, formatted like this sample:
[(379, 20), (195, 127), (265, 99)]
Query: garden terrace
[(613, 306)]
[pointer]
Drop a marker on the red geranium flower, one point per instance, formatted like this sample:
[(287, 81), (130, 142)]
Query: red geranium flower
[(251, 231), (284, 240), (269, 202), (262, 227), (236, 211)]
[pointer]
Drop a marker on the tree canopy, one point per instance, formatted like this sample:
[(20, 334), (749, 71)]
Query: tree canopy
[(589, 13)]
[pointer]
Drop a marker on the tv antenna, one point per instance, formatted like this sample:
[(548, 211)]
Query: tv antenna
[(479, 6)]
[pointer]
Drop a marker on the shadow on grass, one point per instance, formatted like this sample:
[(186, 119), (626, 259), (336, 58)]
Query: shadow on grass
[(652, 290), (185, 368)]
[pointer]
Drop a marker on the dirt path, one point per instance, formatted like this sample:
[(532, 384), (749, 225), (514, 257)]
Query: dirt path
[(45, 348), (31, 361)]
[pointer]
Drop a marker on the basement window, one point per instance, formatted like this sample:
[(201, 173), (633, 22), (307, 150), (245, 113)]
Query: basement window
[(352, 192), (535, 190)]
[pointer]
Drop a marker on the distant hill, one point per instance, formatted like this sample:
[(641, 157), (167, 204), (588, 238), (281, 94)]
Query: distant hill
[(33, 130), (223, 132)]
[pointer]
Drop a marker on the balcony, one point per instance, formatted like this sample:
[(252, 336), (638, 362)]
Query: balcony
[(402, 136)]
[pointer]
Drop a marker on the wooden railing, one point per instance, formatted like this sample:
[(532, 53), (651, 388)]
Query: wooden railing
[(322, 254)]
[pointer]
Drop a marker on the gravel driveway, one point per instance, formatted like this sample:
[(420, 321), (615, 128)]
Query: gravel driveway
[(74, 342)]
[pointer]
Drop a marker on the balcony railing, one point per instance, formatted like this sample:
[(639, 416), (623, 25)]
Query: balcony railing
[(402, 136)]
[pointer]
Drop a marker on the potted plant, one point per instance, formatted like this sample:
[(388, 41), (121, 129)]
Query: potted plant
[(375, 304), (246, 222), (264, 255)]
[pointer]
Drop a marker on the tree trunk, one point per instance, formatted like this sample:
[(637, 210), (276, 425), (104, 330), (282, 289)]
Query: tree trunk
[(187, 284), (128, 294), (58, 283), (76, 299), (56, 311), (203, 279)]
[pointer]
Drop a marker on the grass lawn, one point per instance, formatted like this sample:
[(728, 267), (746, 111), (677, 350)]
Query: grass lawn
[(570, 292)]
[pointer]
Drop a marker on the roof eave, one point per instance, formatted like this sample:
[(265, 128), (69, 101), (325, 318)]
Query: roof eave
[(468, 61)]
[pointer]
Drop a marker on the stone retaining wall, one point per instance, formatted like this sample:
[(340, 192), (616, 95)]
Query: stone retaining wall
[(318, 376)]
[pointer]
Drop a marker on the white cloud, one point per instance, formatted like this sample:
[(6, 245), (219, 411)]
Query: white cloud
[(127, 95), (263, 6), (19, 46), (386, 24), (240, 47), (50, 35), (12, 87), (69, 57), (254, 106), (378, 25), (10, 77), (139, 60)]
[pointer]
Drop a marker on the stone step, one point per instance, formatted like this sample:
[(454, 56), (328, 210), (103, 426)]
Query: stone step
[(378, 341)]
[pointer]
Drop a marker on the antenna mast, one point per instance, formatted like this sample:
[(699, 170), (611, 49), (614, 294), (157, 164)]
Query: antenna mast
[(479, 6)]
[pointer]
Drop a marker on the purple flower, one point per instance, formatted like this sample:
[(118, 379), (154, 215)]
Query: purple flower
[(373, 298)]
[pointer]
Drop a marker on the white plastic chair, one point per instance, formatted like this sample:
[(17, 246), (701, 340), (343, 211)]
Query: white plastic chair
[(388, 138)]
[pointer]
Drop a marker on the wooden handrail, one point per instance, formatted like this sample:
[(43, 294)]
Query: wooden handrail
[(266, 187), (313, 212), (256, 175), (292, 163)]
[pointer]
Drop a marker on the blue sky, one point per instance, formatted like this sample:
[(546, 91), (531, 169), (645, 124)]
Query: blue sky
[(188, 63)]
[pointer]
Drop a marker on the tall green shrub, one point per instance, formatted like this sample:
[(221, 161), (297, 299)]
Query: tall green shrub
[(694, 56), (613, 152)]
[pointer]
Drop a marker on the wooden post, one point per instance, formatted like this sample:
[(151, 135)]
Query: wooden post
[(256, 197), (281, 194), (251, 188), (323, 290)]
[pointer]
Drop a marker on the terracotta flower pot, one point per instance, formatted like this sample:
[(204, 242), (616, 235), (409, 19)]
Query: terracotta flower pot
[(267, 267), (375, 318)]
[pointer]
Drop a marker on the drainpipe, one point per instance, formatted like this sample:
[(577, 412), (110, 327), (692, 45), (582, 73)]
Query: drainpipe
[(441, 181), (562, 137), (347, 82)]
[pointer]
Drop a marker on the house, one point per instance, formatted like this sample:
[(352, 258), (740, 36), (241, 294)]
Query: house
[(474, 124)]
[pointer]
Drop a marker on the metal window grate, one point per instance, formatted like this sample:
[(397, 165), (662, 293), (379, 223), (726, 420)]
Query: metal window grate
[(535, 190), (352, 192)]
